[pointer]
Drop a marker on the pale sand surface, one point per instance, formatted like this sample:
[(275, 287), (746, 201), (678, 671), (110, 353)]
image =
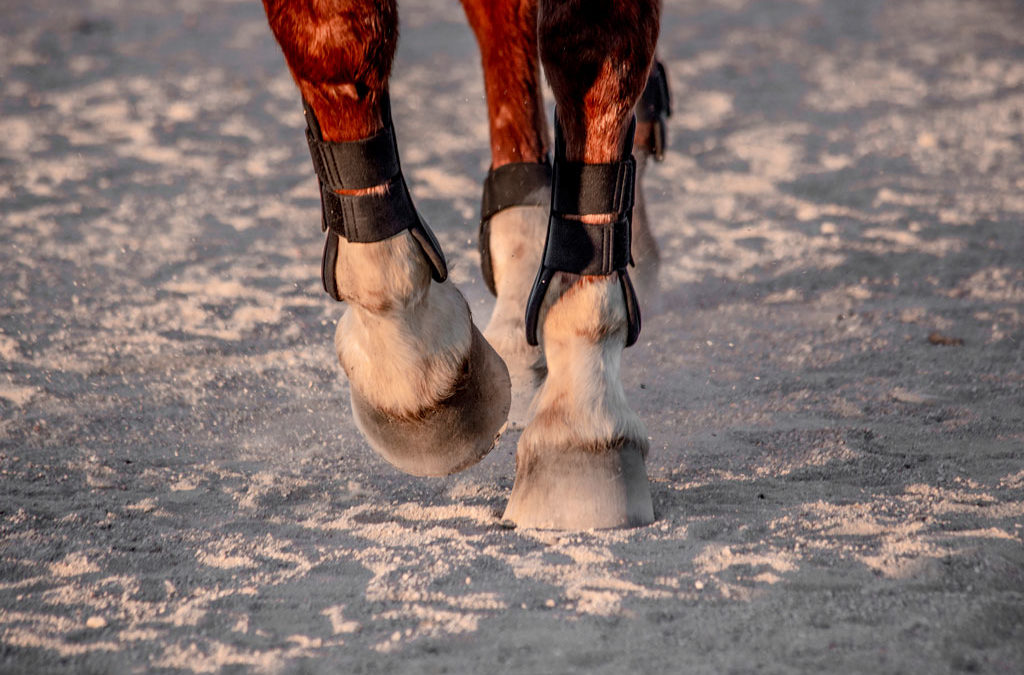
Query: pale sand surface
[(181, 484)]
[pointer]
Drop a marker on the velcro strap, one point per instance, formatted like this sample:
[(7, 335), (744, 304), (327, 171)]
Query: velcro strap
[(359, 165), (367, 218), (576, 247), (517, 184), (582, 248), (354, 165), (579, 189), (590, 189)]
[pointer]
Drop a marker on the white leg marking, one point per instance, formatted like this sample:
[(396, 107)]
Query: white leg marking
[(517, 243), (579, 463), (427, 391)]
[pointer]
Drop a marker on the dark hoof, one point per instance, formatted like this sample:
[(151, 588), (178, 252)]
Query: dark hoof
[(455, 433), (569, 489)]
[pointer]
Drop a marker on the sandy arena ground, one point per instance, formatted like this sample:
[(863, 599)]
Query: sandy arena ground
[(834, 387)]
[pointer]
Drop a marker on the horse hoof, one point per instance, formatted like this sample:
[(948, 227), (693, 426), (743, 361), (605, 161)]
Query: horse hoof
[(454, 433), (580, 489)]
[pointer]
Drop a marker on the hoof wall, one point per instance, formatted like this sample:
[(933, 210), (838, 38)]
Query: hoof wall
[(568, 489), (454, 434)]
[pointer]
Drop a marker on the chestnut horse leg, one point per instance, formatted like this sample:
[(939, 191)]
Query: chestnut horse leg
[(428, 392), (580, 460), (517, 195)]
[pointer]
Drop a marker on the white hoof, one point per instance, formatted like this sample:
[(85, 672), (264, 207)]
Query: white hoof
[(580, 460), (427, 391), (569, 488), (517, 243)]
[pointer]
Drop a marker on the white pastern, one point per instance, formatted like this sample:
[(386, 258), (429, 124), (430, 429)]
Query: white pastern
[(404, 340), (580, 460), (517, 244), (582, 403)]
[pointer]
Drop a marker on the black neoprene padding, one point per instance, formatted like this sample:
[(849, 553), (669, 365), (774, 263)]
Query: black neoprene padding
[(584, 248), (583, 189), (327, 263), (370, 217), (588, 249), (516, 184), (354, 165), (365, 218)]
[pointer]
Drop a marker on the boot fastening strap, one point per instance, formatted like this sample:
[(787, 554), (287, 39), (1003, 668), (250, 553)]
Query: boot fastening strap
[(572, 246), (654, 106), (365, 218), (517, 184)]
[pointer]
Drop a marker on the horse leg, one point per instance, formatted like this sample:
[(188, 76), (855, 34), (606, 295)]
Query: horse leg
[(516, 193), (427, 391), (580, 460), (650, 143)]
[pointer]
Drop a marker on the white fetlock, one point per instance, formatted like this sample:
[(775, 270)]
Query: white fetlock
[(580, 460), (427, 391), (516, 244)]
